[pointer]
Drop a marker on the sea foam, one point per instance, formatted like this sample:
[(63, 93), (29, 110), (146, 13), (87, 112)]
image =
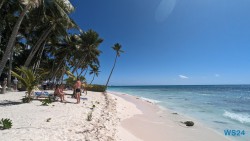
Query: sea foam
[(150, 100), (238, 117)]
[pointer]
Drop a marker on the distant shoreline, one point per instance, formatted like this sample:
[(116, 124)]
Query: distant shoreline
[(181, 85)]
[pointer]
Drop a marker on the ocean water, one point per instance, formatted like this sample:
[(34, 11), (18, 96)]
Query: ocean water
[(221, 107)]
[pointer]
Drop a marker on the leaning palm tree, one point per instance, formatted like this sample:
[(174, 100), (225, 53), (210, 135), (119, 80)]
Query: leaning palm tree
[(117, 47), (59, 24), (29, 4), (95, 71), (30, 80)]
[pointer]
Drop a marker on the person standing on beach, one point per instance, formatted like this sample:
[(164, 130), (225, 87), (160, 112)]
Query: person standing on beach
[(44, 84), (77, 87)]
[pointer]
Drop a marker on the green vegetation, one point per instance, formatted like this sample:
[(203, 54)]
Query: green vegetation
[(5, 123), (35, 36), (117, 47), (26, 99), (46, 102), (29, 79), (95, 88), (94, 70)]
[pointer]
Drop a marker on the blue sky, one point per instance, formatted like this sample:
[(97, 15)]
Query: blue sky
[(171, 42)]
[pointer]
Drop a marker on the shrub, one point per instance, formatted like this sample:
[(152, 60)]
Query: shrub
[(26, 100), (29, 79), (96, 88), (46, 102), (5, 123)]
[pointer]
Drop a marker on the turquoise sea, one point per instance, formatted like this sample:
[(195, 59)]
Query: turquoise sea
[(221, 107)]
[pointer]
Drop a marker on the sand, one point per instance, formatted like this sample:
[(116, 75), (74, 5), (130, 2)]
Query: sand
[(67, 120), (156, 124), (114, 118)]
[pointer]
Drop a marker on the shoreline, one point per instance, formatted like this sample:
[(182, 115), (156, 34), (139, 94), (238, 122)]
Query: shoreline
[(156, 123), (114, 118)]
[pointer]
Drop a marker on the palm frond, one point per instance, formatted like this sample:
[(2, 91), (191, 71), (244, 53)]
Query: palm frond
[(23, 81)]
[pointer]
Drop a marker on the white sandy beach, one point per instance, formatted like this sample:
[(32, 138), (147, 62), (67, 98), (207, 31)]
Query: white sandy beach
[(115, 117)]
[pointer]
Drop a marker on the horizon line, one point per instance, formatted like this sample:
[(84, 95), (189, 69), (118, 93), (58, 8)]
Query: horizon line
[(176, 85)]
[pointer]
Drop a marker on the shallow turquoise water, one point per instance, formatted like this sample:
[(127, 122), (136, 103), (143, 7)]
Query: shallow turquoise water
[(219, 106)]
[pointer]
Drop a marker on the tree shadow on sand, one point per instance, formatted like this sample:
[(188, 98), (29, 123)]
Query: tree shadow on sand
[(9, 103)]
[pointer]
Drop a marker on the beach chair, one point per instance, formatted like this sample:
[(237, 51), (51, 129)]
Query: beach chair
[(41, 94), (44, 94)]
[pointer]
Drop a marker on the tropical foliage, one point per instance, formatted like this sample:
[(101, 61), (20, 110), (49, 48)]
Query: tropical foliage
[(96, 88), (5, 123), (117, 48), (40, 35), (29, 79)]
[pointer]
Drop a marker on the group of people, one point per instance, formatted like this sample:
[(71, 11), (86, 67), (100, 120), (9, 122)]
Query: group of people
[(77, 90)]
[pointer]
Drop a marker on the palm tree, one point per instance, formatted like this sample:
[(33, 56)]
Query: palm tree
[(89, 43), (57, 9), (95, 71), (56, 18), (29, 4), (30, 80), (117, 47), (63, 50)]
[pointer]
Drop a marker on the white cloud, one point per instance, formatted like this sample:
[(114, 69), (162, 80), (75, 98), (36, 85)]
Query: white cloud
[(183, 77)]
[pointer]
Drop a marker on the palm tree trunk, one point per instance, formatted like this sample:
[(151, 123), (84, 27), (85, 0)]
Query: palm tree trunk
[(81, 72), (1, 4), (10, 69), (12, 39), (40, 57), (59, 66), (64, 70), (52, 70), (79, 63), (86, 71), (37, 46), (111, 71), (92, 79)]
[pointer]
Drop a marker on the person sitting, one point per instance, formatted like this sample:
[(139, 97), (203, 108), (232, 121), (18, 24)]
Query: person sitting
[(59, 92)]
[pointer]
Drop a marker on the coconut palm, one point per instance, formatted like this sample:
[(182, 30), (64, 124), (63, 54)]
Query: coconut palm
[(89, 43), (95, 71), (56, 19), (29, 4), (42, 39), (117, 47), (63, 50), (57, 8), (30, 80)]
